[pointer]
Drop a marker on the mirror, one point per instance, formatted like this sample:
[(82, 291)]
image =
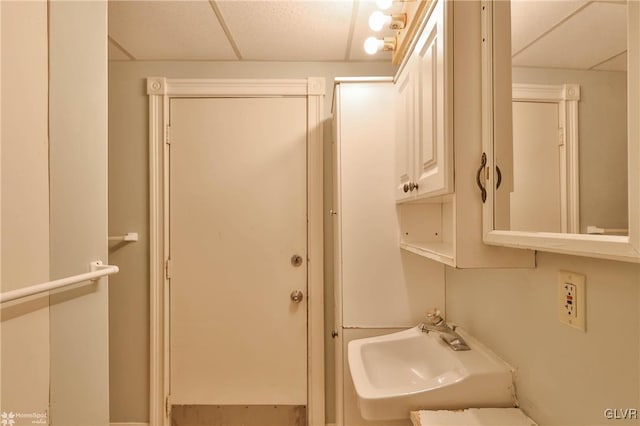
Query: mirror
[(568, 68), (556, 100)]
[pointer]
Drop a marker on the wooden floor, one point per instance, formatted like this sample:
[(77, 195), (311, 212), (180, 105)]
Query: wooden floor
[(238, 415)]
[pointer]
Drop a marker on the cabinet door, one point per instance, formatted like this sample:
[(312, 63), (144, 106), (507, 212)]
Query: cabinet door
[(405, 131), (434, 152)]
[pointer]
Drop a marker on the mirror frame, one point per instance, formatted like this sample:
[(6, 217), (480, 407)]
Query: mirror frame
[(624, 248)]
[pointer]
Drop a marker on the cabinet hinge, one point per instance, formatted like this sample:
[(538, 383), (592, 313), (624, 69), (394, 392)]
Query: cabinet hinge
[(167, 134), (167, 406), (167, 268)]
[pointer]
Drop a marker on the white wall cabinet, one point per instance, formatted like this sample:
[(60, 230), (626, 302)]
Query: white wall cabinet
[(405, 111), (377, 286), (438, 112), (423, 131)]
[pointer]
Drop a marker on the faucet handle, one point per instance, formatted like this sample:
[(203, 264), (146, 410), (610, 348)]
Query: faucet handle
[(433, 316)]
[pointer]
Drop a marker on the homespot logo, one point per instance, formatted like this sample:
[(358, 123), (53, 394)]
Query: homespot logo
[(7, 419), (15, 419)]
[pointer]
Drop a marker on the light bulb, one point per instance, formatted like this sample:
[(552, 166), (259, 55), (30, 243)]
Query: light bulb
[(377, 20), (384, 4), (372, 45)]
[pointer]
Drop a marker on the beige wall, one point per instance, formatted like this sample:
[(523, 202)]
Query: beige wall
[(563, 376), (129, 211), (602, 118), (24, 367), (78, 191)]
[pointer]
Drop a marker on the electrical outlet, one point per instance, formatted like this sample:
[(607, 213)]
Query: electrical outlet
[(571, 299)]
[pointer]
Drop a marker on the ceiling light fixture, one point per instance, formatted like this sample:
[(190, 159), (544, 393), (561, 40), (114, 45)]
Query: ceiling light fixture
[(384, 4), (373, 45), (378, 20)]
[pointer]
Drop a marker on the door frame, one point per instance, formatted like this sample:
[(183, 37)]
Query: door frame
[(567, 97), (160, 91)]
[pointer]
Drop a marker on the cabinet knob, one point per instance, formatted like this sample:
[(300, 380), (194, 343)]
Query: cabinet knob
[(406, 187), (412, 186)]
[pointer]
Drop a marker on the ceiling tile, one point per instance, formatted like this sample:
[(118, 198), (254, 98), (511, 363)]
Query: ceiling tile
[(116, 54), (618, 63), (592, 35), (169, 30), (532, 18), (289, 30)]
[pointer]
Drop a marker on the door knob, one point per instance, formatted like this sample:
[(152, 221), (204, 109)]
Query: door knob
[(296, 296)]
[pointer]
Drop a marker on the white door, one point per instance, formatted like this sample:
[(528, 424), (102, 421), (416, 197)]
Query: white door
[(237, 217), (535, 200)]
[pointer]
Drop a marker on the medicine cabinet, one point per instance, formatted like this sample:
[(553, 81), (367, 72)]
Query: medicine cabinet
[(578, 65), (438, 142)]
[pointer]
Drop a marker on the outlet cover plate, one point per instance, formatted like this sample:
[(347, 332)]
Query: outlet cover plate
[(572, 299)]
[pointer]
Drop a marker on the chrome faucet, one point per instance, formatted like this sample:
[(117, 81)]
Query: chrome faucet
[(447, 333)]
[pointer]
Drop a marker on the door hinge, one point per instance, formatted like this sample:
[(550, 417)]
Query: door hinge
[(561, 137), (167, 406), (167, 268), (167, 134)]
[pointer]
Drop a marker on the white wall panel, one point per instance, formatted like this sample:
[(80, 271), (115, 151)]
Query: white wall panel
[(382, 286), (24, 346), (563, 375), (78, 191)]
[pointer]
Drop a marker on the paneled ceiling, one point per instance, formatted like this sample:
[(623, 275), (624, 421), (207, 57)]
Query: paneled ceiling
[(577, 34), (231, 30)]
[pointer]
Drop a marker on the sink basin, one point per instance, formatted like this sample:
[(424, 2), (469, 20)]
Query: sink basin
[(412, 370)]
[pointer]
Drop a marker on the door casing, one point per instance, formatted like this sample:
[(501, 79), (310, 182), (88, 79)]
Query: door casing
[(160, 90), (567, 97)]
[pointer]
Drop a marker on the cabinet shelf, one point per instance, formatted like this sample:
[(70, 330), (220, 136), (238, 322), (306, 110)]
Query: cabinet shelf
[(426, 229), (439, 251)]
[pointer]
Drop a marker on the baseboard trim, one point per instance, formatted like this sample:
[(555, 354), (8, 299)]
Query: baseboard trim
[(147, 424), (129, 424)]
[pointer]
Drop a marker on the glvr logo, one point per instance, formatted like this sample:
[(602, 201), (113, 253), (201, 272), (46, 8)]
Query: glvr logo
[(7, 419), (621, 413)]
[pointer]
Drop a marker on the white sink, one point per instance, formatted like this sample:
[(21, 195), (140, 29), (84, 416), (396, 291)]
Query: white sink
[(412, 370)]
